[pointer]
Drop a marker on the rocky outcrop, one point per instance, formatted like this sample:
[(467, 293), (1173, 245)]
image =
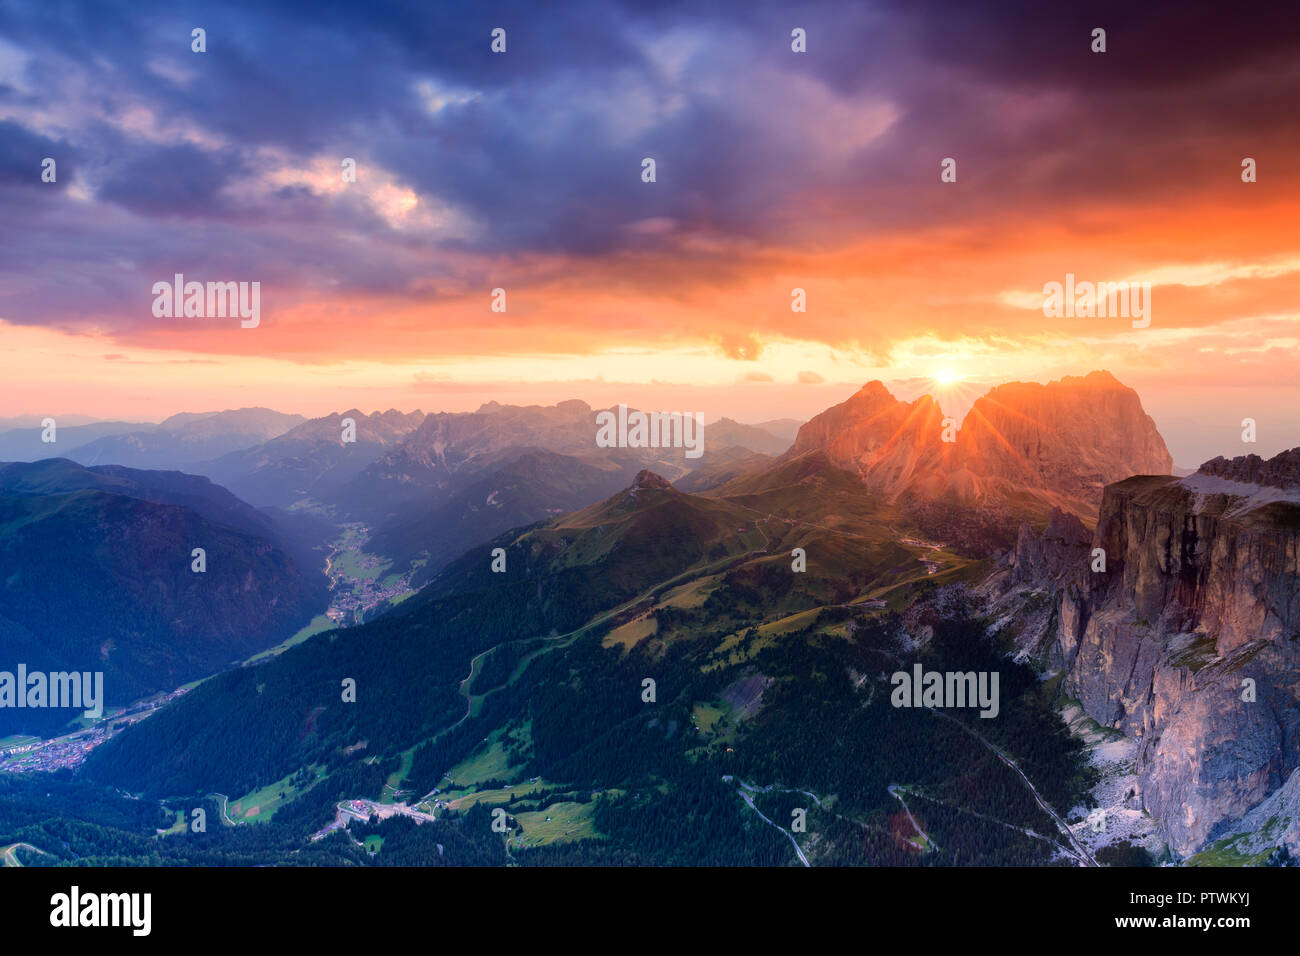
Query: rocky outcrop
[(1269, 834), (1059, 443), (890, 444), (647, 480), (1189, 639), (1054, 555), (1281, 471)]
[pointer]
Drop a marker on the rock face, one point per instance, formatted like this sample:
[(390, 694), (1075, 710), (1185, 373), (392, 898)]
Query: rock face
[(646, 479), (890, 444), (1197, 612), (1274, 823), (1060, 442), (1054, 555), (1072, 437)]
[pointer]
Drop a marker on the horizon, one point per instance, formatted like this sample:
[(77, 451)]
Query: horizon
[(780, 176), (1191, 448)]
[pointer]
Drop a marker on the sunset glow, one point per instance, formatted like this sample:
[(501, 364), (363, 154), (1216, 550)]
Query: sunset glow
[(776, 172)]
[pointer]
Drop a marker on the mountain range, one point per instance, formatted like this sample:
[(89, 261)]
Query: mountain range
[(180, 441), (430, 486), (624, 640), (1022, 449)]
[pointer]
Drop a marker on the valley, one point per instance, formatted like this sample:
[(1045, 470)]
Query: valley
[(360, 582), (357, 586), (659, 657)]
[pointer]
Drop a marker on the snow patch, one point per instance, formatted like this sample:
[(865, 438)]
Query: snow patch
[(1252, 495)]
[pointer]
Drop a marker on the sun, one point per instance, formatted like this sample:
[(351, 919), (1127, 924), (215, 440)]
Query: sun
[(946, 376)]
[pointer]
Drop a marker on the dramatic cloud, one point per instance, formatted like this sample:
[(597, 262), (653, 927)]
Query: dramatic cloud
[(774, 170)]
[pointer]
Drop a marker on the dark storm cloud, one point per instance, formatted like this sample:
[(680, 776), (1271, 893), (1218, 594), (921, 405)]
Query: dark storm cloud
[(538, 152), (172, 180), (1149, 45), (21, 154)]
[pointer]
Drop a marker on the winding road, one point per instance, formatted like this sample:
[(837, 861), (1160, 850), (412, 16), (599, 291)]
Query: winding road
[(893, 792), (749, 799), (11, 853), (1080, 851)]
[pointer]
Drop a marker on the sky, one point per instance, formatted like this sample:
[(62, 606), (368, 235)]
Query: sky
[(774, 170)]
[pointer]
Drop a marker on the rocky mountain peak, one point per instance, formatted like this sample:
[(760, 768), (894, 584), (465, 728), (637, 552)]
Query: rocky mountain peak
[(877, 436), (647, 479), (875, 390), (1280, 471), (1071, 436), (1064, 440)]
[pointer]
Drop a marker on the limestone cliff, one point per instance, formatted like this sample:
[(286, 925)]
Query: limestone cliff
[(1200, 594)]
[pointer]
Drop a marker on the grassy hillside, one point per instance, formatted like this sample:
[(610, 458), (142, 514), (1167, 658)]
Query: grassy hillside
[(527, 690)]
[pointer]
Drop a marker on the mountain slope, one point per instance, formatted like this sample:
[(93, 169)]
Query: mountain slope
[(25, 444), (524, 489), (726, 433), (635, 661), (198, 494), (642, 535), (99, 581), (722, 466)]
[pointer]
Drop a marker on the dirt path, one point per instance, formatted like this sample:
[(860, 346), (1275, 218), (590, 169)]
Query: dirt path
[(224, 815), (960, 809)]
